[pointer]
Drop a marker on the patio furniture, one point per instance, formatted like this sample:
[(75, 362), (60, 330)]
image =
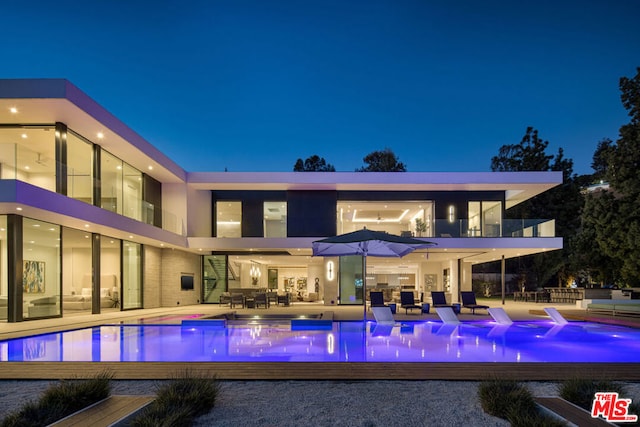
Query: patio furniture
[(377, 299), (225, 298), (447, 315), (439, 299), (500, 316), (408, 302), (272, 297), (237, 299), (469, 301), (261, 299), (284, 299)]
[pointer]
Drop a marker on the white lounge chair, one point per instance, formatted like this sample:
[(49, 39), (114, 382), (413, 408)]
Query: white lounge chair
[(556, 316), (447, 315), (500, 316), (383, 315)]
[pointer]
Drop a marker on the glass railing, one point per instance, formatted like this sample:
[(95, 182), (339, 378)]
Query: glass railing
[(463, 228)]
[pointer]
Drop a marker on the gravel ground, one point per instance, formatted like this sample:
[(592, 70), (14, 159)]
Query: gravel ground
[(321, 403), (324, 403)]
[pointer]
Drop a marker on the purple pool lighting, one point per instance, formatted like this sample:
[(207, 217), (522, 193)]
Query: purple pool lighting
[(343, 342)]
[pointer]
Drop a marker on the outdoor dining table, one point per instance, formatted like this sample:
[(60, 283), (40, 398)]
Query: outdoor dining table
[(535, 296)]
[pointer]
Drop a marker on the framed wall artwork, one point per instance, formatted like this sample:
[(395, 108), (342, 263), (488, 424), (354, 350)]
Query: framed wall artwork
[(33, 277)]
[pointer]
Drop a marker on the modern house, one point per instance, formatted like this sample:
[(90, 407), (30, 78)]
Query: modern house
[(93, 217)]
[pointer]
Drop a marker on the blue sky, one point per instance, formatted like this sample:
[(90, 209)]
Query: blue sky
[(254, 85)]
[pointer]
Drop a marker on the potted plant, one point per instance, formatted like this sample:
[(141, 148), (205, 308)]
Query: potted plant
[(421, 227)]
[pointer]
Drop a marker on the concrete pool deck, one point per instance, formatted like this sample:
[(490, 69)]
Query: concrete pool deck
[(315, 370)]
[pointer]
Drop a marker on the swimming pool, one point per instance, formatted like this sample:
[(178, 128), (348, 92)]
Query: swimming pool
[(409, 342)]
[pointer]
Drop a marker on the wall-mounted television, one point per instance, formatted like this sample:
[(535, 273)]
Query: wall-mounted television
[(186, 283)]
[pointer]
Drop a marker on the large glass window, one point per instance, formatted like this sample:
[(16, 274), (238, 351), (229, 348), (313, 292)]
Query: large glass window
[(228, 219), (41, 269), (275, 219), (215, 277), (109, 272), (111, 182), (79, 168), (4, 286), (27, 153), (484, 219), (132, 276), (351, 280), (132, 192), (76, 271), (400, 218)]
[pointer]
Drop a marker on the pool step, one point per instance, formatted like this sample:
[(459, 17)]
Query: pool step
[(111, 411)]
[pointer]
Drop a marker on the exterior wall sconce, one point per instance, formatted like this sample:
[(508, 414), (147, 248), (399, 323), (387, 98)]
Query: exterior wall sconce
[(330, 270), (452, 214)]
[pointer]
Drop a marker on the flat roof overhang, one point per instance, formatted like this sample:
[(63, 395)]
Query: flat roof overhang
[(46, 101), (17, 197), (518, 186), (474, 249)]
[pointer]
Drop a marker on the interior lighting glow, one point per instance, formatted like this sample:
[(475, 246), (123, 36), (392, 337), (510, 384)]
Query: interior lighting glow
[(13, 110), (100, 135)]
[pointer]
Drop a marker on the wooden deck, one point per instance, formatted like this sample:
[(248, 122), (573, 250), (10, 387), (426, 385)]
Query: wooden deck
[(325, 371), (107, 412)]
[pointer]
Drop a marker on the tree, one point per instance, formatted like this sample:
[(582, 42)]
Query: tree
[(314, 163), (614, 214), (382, 161), (563, 203)]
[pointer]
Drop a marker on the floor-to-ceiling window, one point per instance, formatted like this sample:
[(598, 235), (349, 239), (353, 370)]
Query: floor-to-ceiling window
[(111, 182), (131, 275), (228, 219), (76, 271), (275, 219), (4, 280), (351, 280), (484, 219), (79, 168), (401, 218), (41, 269), (109, 272), (27, 153), (214, 277), (132, 192)]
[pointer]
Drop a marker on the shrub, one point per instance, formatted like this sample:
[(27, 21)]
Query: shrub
[(180, 401), (510, 400), (581, 391), (61, 400)]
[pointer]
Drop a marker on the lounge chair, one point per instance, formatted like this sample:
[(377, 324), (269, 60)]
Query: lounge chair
[(383, 315), (408, 302), (500, 316), (447, 315), (556, 316), (469, 301), (439, 299), (377, 299)]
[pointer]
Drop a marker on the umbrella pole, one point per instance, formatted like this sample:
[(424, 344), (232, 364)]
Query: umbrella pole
[(364, 286)]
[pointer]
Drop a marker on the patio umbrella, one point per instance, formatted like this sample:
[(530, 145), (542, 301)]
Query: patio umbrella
[(367, 243)]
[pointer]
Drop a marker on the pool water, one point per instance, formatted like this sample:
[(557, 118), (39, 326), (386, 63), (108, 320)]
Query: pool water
[(341, 342)]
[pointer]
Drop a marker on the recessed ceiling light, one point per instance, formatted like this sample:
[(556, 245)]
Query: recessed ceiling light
[(18, 208), (24, 136), (13, 110), (86, 225), (150, 167), (131, 237), (27, 167), (100, 135)]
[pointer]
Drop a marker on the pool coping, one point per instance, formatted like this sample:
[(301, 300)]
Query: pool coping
[(534, 371)]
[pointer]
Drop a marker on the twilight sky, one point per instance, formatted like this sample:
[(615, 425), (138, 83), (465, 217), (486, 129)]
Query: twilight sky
[(252, 85)]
